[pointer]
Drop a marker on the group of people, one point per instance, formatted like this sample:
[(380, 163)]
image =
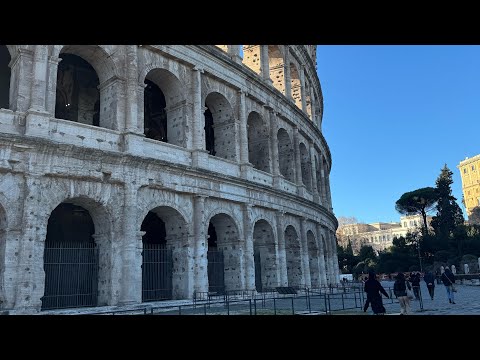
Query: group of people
[(375, 290)]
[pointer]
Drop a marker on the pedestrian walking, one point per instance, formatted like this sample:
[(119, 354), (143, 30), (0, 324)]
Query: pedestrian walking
[(400, 290), (374, 291), (448, 280), (430, 281), (415, 281)]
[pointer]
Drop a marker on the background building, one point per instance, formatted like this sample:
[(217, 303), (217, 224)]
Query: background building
[(133, 173), (469, 171), (378, 235)]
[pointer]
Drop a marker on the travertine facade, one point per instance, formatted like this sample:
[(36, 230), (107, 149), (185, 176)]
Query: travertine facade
[(470, 173), (196, 135)]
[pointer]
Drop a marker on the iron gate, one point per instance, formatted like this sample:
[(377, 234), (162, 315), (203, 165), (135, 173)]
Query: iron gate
[(216, 278), (156, 272), (71, 275)]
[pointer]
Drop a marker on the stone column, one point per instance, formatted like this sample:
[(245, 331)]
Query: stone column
[(298, 163), (281, 255), (51, 96), (248, 256), (201, 244), (274, 147), (21, 67), (336, 272), (30, 280), (314, 173), (313, 105), (304, 251), (264, 63), (131, 98), (131, 251), (321, 258), (234, 52), (322, 194), (244, 163), (328, 193), (302, 88), (9, 273), (109, 271), (37, 120), (328, 256), (198, 118), (286, 72)]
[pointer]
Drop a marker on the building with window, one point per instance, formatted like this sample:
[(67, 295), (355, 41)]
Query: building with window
[(470, 173), (378, 235), (135, 173)]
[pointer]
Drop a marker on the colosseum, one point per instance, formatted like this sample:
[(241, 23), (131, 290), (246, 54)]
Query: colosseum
[(139, 173)]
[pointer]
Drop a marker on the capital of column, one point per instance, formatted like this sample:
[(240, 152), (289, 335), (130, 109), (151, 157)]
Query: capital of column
[(198, 68)]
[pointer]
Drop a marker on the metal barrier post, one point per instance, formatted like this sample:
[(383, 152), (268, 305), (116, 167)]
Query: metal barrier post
[(250, 305), (293, 310), (179, 310), (205, 309), (343, 302), (274, 307), (228, 307)]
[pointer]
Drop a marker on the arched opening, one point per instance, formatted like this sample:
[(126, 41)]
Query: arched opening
[(164, 257), (285, 155), (155, 120), (70, 259), (264, 256), (326, 183), (296, 85), (219, 127), (293, 255), (5, 74), (164, 107), (224, 255), (258, 144), (276, 66), (251, 57), (78, 96), (313, 254), (319, 180), (308, 99), (306, 166)]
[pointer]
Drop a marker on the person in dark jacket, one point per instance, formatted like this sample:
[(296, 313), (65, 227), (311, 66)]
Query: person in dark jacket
[(400, 291), (415, 281), (448, 280), (430, 281), (374, 289)]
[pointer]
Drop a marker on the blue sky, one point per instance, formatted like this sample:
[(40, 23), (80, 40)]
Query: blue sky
[(393, 116)]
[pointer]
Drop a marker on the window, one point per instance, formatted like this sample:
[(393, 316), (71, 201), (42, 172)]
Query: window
[(464, 170), (473, 167), (415, 222)]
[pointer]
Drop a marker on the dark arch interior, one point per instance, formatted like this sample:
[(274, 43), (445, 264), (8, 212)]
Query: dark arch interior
[(4, 77), (78, 97), (212, 236), (70, 223), (155, 116), (154, 227), (209, 133)]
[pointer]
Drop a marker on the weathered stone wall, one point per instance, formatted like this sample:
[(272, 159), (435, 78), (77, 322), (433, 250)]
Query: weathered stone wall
[(266, 190)]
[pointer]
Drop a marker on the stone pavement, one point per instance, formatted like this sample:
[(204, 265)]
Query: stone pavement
[(467, 301)]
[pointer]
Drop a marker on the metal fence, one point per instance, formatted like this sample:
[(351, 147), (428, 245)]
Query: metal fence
[(157, 269), (71, 275)]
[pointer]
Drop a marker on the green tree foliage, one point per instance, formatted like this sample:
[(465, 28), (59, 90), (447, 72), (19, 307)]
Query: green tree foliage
[(420, 201), (367, 253), (346, 259), (449, 215)]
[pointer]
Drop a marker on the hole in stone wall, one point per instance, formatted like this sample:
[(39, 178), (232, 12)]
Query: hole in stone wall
[(4, 77), (155, 116)]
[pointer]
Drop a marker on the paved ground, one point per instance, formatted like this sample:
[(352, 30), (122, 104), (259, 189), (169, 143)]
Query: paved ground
[(467, 301)]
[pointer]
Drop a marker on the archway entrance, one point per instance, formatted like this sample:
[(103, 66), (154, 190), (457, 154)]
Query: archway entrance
[(264, 256), (157, 260), (216, 274), (70, 259)]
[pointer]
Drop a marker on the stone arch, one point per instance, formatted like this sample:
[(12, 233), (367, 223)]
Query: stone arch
[(224, 254), (293, 256), (219, 127), (265, 256), (164, 106), (296, 85), (5, 77), (165, 256), (87, 86), (258, 144), (77, 237), (306, 166), (313, 254), (102, 221), (276, 67), (286, 155), (251, 57), (308, 99)]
